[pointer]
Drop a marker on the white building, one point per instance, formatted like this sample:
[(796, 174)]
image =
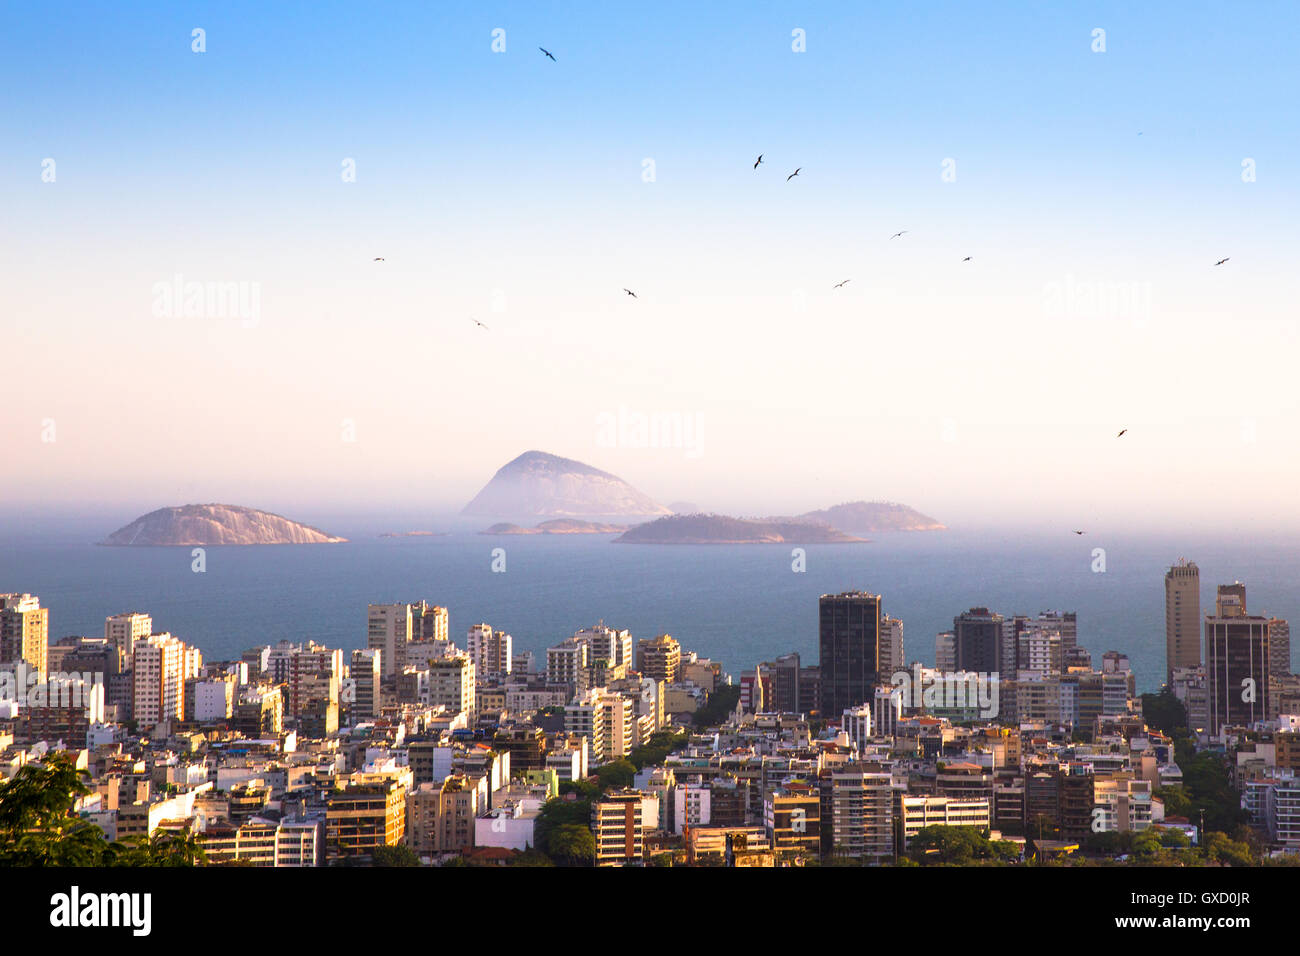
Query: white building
[(921, 812)]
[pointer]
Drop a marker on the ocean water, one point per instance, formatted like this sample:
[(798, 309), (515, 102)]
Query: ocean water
[(739, 604)]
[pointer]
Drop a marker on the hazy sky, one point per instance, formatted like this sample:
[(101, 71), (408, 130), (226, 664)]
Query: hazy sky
[(1093, 191)]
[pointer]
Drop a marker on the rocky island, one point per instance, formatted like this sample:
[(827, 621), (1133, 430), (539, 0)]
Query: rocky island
[(213, 524)]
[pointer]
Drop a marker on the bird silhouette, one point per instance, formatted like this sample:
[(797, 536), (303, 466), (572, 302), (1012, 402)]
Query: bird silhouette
[(478, 323), (548, 53), (967, 259), (1221, 261), (1079, 532), (1121, 433), (759, 160), (844, 283), (793, 175), (630, 292), (379, 258), (897, 234)]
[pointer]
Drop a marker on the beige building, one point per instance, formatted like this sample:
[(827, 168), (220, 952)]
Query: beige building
[(451, 685), (891, 647), (389, 628), (365, 815), (124, 630), (440, 816), (659, 658), (24, 631), (490, 651), (862, 813), (1182, 617), (608, 721), (428, 623)]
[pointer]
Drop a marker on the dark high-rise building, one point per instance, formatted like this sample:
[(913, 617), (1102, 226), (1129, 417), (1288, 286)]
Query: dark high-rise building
[(1236, 661), (977, 636), (784, 674), (810, 690), (850, 650)]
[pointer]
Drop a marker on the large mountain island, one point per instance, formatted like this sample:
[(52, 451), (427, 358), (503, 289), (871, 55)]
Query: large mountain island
[(540, 485), (189, 525)]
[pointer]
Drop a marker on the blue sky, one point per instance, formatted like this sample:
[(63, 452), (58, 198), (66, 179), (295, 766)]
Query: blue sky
[(488, 177)]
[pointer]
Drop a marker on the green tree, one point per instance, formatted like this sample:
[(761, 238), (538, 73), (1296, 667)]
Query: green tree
[(1166, 713), (398, 855), (620, 773), (572, 845), (718, 707), (659, 746), (959, 846), (37, 823), (557, 813), (161, 848), (1221, 848), (530, 857)]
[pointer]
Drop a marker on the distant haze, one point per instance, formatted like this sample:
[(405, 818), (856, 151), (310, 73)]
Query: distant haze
[(511, 189)]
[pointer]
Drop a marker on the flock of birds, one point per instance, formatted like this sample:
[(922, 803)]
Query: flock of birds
[(839, 285)]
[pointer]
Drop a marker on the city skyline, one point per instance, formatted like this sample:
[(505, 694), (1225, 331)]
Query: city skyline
[(578, 436)]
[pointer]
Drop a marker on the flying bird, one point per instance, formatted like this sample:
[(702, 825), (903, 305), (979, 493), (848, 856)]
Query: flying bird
[(1121, 433), (759, 160), (793, 175), (844, 283), (478, 323), (630, 292), (897, 234), (547, 52), (1221, 261), (967, 259), (379, 258), (1079, 532)]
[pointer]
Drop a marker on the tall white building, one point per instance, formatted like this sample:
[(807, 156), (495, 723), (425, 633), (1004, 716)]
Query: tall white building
[(856, 722), (162, 665), (888, 710)]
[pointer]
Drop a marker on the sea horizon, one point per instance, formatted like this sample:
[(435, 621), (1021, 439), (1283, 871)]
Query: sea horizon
[(739, 604)]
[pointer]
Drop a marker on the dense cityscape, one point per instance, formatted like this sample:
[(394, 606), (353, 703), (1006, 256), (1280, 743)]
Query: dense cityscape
[(1017, 748)]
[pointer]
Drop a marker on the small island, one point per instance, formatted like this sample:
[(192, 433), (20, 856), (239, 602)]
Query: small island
[(214, 524), (872, 517), (558, 526), (721, 529)]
